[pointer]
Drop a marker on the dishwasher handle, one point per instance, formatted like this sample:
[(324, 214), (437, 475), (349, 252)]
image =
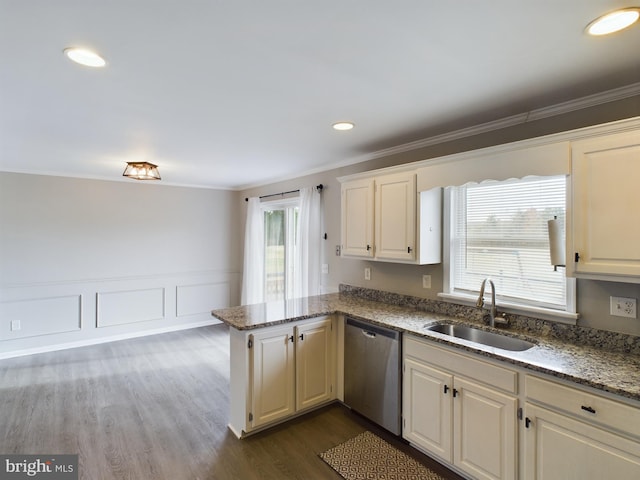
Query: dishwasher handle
[(372, 331)]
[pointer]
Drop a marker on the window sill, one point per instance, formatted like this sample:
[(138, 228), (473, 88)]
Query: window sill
[(550, 314)]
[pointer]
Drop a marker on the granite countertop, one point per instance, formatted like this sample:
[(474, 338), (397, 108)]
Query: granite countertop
[(600, 368)]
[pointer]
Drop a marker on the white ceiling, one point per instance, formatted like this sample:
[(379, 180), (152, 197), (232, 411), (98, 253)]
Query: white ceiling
[(232, 93)]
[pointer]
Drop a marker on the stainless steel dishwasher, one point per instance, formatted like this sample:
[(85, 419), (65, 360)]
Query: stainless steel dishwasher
[(372, 376)]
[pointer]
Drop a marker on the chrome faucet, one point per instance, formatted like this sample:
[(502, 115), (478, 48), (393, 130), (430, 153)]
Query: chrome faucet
[(493, 311)]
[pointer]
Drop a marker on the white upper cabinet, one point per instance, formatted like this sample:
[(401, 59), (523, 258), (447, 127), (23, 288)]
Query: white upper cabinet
[(357, 218), (395, 217), (384, 218), (605, 236)]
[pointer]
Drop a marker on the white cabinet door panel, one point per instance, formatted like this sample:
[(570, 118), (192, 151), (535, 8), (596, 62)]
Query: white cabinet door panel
[(605, 179), (427, 408), (485, 431), (315, 371), (273, 369), (559, 447)]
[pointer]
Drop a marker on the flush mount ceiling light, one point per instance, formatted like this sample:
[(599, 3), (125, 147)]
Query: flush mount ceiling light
[(343, 125), (142, 171), (614, 21), (84, 57)]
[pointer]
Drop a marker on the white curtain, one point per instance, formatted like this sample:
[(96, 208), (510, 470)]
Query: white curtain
[(253, 272), (308, 259)]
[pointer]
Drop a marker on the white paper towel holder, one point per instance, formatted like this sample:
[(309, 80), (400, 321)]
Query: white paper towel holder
[(556, 244)]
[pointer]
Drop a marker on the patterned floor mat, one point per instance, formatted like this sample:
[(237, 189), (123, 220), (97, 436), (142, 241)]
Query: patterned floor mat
[(369, 457)]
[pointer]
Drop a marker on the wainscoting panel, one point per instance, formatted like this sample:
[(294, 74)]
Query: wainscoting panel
[(40, 316), (196, 299), (118, 308)]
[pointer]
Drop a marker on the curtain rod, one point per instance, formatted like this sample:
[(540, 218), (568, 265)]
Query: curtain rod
[(318, 187)]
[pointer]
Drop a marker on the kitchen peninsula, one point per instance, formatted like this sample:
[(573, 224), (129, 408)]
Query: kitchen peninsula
[(612, 368), (590, 377)]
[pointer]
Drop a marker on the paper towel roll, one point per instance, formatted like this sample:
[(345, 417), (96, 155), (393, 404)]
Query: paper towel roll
[(556, 243)]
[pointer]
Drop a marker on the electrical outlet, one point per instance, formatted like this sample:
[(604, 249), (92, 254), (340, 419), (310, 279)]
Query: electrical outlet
[(367, 273), (337, 250), (15, 325), (623, 307), (426, 281)]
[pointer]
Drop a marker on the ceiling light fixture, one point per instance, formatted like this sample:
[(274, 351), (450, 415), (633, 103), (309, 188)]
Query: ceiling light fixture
[(84, 57), (142, 171), (614, 21), (343, 125)]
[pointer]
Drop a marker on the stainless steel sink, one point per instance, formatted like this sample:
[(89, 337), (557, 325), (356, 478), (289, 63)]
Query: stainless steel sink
[(481, 336)]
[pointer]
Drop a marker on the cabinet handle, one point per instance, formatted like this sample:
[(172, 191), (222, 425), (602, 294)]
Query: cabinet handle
[(291, 338), (527, 422), (455, 393), (301, 336), (368, 247), (446, 389), (408, 249), (588, 409)]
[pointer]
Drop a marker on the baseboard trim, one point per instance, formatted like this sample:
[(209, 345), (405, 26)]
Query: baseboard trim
[(111, 338)]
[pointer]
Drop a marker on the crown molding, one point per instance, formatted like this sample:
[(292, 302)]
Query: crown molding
[(537, 114), (494, 125)]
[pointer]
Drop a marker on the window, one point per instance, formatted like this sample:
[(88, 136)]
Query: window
[(499, 230), (280, 242)]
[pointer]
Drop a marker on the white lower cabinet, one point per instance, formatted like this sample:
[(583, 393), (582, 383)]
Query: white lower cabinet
[(315, 363), (484, 426), (426, 408), (469, 424), (573, 434), (279, 371), (272, 374)]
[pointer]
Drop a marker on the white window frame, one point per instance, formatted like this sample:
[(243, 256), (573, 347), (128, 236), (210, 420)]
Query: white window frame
[(568, 316)]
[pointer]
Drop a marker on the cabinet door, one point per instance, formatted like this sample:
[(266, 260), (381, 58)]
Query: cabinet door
[(484, 431), (559, 447), (357, 218), (395, 217), (315, 371), (272, 375), (605, 179), (426, 408)]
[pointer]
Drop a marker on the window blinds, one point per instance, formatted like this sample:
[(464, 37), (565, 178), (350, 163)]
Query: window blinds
[(499, 230)]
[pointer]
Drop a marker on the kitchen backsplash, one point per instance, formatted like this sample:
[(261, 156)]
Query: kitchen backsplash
[(611, 341)]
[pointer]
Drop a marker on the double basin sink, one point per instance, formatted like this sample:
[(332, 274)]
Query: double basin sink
[(483, 337)]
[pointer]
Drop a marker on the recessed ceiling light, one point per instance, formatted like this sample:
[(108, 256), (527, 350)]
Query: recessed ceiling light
[(85, 57), (614, 21), (343, 126)]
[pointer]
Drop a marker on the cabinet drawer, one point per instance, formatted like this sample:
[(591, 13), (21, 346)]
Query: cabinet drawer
[(466, 365), (587, 406)]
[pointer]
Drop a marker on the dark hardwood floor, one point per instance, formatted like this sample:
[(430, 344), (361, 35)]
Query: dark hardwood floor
[(157, 408)]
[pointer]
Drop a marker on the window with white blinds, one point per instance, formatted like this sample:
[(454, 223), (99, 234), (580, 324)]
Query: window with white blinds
[(499, 230)]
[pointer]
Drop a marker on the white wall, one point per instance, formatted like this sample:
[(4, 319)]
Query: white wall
[(593, 296), (83, 260)]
